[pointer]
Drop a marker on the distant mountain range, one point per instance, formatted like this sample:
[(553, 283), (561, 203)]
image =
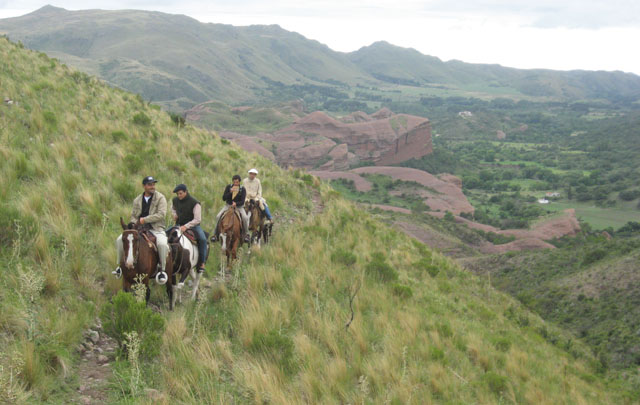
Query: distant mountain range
[(178, 62)]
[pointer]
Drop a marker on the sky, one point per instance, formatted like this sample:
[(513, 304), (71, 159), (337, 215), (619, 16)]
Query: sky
[(552, 34)]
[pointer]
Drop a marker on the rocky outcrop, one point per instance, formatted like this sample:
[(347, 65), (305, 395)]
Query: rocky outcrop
[(439, 195), (319, 141)]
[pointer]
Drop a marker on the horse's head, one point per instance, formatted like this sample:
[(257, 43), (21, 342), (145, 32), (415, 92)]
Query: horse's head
[(130, 245), (174, 234)]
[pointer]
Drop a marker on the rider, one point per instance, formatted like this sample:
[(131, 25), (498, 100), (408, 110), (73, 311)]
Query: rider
[(254, 192), (234, 195), (187, 212), (150, 208)]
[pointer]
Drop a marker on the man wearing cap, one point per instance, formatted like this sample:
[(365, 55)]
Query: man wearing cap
[(234, 195), (149, 208), (254, 192), (187, 212)]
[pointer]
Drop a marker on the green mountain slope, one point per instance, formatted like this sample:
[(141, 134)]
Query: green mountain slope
[(424, 331), (587, 285), (394, 64), (176, 60)]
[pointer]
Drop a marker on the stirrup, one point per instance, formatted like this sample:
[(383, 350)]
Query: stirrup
[(161, 278), (117, 272), (201, 269), (213, 238)]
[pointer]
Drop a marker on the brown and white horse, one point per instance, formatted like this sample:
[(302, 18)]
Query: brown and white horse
[(141, 259), (185, 259), (231, 235)]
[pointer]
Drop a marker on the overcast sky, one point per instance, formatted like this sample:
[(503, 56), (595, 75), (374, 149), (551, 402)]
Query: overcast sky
[(554, 34)]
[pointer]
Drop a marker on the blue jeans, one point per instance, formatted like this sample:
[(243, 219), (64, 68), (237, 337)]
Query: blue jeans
[(202, 243), (266, 211)]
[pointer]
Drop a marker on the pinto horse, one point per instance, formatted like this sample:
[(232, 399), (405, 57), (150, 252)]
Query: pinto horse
[(257, 226), (231, 234), (141, 259), (185, 259)]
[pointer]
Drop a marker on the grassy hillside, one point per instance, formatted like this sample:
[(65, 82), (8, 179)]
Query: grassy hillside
[(424, 331)]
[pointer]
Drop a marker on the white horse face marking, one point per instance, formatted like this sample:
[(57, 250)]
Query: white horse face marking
[(129, 261), (224, 241)]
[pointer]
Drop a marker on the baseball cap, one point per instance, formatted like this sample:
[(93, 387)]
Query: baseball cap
[(149, 179)]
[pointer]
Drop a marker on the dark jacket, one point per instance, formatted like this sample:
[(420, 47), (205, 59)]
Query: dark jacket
[(184, 209), (240, 197)]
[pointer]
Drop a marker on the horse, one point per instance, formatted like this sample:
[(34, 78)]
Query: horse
[(185, 259), (257, 226), (231, 234), (140, 259)]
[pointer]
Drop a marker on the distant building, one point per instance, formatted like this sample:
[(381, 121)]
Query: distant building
[(543, 201), (553, 194), (465, 114)]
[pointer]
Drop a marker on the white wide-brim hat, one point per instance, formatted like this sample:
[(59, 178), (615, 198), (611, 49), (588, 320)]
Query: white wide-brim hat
[(253, 171)]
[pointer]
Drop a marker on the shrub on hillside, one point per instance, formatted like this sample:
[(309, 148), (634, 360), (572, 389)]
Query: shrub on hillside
[(199, 158), (402, 291), (425, 264), (141, 119), (344, 257), (118, 136), (496, 382), (379, 269), (125, 190), (50, 118), (177, 119), (124, 314), (629, 195), (177, 166), (593, 256), (134, 163), (276, 346)]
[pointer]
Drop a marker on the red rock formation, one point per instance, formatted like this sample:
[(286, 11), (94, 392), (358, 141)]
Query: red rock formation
[(446, 196), (361, 183), (383, 141)]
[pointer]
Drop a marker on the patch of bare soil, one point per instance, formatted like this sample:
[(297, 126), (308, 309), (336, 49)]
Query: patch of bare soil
[(94, 370)]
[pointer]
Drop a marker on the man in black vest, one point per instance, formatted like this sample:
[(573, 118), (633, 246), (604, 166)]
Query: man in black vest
[(187, 212)]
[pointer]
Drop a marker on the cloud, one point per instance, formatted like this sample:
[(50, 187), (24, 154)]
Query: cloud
[(587, 14)]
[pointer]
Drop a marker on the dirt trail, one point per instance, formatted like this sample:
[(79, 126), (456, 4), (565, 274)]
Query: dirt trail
[(94, 370)]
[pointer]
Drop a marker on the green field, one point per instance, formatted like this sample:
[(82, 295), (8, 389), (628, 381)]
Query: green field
[(598, 218)]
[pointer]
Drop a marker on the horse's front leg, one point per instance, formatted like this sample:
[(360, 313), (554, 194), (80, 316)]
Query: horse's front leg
[(170, 294), (148, 291)]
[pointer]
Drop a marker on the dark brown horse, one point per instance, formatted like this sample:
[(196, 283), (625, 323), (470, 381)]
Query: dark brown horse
[(140, 260), (259, 231), (231, 235)]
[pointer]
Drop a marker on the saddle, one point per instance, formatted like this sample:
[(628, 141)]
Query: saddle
[(150, 237), (147, 235), (235, 212), (191, 236)]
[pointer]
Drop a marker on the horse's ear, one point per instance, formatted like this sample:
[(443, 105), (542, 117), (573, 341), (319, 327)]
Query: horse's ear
[(122, 224)]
